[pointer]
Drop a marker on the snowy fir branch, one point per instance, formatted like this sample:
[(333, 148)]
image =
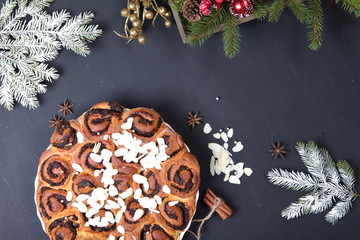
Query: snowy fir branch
[(30, 37), (328, 183)]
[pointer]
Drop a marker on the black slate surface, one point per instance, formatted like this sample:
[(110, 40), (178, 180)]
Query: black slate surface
[(276, 89)]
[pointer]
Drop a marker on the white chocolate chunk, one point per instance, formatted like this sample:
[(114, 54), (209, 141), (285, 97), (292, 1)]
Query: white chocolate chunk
[(127, 193), (248, 171), (139, 178), (138, 214), (207, 128), (111, 237), (77, 167), (96, 157), (121, 152), (128, 124), (69, 196), (166, 189), (82, 197), (121, 229), (239, 173), (230, 133), (94, 221), (158, 199), (224, 137), (118, 216), (234, 180), (97, 172), (97, 147), (215, 147), (113, 191), (121, 202), (91, 212), (146, 186), (137, 193), (217, 135), (80, 206), (239, 166), (80, 137), (238, 147), (173, 203), (106, 137), (103, 223), (110, 217)]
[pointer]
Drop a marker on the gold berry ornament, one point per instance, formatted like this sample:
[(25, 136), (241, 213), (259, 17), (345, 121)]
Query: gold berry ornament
[(168, 23), (136, 13), (133, 17), (132, 5), (124, 12), (142, 39), (149, 15), (137, 23), (167, 14)]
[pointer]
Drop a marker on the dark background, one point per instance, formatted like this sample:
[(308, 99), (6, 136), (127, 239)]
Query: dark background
[(276, 89)]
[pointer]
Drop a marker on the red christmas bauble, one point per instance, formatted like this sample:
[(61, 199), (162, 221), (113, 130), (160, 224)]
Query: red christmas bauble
[(242, 8)]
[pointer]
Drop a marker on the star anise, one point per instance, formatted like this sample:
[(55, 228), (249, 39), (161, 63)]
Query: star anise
[(193, 119), (278, 150), (66, 107), (56, 121)]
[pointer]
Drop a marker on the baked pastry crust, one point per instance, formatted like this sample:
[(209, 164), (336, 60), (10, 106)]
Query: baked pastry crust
[(175, 181)]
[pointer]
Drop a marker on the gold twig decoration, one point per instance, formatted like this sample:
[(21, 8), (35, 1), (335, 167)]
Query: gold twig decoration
[(136, 13)]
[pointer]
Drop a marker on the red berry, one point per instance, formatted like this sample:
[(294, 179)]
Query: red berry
[(206, 12), (203, 7)]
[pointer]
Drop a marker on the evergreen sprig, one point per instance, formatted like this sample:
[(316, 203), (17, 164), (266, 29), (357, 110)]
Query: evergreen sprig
[(315, 24), (328, 183), (30, 37), (309, 12), (275, 10), (231, 35), (202, 30)]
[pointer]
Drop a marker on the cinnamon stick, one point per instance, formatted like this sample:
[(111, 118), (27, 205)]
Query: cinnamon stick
[(223, 209)]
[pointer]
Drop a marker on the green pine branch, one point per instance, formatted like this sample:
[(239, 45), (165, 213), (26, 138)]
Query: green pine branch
[(202, 30), (231, 35), (327, 183), (275, 10), (315, 24), (351, 6), (261, 9), (299, 9)]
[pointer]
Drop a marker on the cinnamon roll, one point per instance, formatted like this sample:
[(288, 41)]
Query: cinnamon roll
[(52, 201), (146, 122), (182, 175), (177, 214), (56, 170), (64, 136), (118, 174)]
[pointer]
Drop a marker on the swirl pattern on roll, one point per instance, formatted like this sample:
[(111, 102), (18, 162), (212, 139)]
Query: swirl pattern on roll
[(147, 122), (84, 183), (68, 171), (52, 201), (182, 175), (56, 170), (64, 228), (64, 136), (154, 232), (176, 215), (102, 117)]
